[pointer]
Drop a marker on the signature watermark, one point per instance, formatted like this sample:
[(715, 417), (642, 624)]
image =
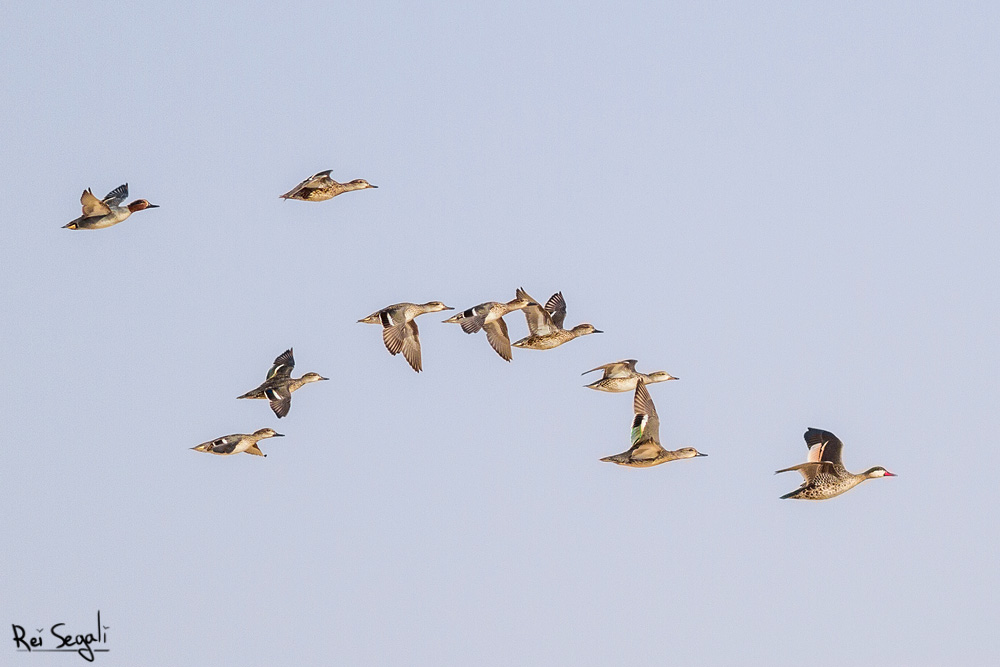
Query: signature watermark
[(61, 640)]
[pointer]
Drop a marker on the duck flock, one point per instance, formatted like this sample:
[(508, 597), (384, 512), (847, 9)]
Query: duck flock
[(824, 474)]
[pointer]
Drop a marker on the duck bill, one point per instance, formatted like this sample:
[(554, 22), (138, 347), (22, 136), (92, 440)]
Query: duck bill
[(700, 454), (278, 435), (890, 474), (597, 331), (153, 206)]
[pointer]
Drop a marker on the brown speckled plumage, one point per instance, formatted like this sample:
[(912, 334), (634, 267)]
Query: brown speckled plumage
[(320, 187), (824, 475)]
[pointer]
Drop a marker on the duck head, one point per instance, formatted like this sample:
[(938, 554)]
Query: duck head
[(878, 471), (313, 377), (268, 433), (661, 376), (688, 453), (434, 306), (521, 302), (140, 204), (360, 184), (584, 329)]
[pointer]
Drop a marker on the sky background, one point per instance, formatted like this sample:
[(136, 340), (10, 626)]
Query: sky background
[(792, 208)]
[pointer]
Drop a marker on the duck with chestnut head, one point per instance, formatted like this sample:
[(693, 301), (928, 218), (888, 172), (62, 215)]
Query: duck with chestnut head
[(107, 212)]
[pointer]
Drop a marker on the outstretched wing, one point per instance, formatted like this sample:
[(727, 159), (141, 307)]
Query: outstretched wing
[(646, 423), (474, 318), (810, 470), (280, 398), (617, 369), (92, 206), (404, 337), (823, 446), (471, 325), (281, 404), (116, 196), (556, 307), (539, 321), (496, 334), (411, 345), (319, 180), (283, 365)]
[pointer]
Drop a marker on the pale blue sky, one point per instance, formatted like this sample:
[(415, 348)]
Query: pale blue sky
[(794, 209)]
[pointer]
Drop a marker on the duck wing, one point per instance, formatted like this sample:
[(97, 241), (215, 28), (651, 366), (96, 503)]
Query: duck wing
[(411, 345), (404, 337), (394, 314), (645, 450), (618, 369), (92, 206), (318, 180), (281, 401), (283, 365), (810, 470), (646, 423), (539, 321), (472, 320), (224, 445), (823, 446), (496, 334), (471, 325), (116, 196), (521, 294), (556, 308)]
